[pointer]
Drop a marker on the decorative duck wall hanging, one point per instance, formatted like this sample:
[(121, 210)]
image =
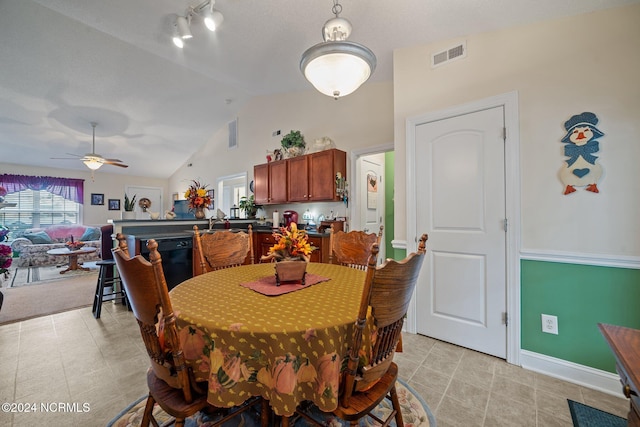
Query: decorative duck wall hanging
[(580, 145)]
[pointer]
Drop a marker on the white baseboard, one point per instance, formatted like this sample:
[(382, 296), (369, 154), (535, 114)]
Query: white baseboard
[(596, 379)]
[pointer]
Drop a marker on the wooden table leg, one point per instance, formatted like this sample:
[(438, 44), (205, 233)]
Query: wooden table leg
[(73, 264)]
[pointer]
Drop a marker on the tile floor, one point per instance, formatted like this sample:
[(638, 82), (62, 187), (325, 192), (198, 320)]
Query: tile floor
[(73, 358)]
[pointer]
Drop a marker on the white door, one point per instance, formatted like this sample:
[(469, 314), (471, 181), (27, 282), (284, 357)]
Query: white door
[(460, 183), (371, 169)]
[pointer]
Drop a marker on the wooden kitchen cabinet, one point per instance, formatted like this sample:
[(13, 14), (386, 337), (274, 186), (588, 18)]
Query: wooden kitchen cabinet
[(270, 182), (313, 177)]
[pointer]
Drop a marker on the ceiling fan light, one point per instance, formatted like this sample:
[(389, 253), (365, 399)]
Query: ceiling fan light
[(337, 68), (183, 27), (92, 164), (213, 19)]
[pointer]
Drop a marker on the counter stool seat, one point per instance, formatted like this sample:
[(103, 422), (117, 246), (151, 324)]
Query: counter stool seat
[(104, 280)]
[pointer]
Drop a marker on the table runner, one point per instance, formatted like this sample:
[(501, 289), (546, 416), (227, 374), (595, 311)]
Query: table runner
[(267, 285)]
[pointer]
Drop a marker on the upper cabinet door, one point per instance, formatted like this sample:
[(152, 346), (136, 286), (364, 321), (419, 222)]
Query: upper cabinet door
[(278, 181), (261, 184), (323, 167), (298, 177)]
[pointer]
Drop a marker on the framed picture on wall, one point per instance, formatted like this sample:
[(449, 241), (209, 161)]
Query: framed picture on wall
[(97, 199), (114, 204)]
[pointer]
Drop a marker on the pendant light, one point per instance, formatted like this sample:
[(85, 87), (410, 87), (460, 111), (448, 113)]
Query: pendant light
[(337, 67)]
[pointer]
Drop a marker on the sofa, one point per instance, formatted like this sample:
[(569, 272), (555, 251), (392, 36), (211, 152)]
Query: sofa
[(34, 243)]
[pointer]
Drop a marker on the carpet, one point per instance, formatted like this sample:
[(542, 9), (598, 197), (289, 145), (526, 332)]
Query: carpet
[(586, 416), (23, 276), (415, 412), (61, 293)]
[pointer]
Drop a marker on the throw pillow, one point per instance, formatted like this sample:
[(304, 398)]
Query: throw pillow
[(39, 238), (91, 233)]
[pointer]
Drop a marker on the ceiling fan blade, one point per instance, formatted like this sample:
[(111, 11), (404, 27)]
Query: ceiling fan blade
[(122, 165), (113, 160), (64, 158)]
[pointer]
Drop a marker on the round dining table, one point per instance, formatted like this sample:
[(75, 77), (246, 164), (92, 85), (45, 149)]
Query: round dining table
[(286, 348)]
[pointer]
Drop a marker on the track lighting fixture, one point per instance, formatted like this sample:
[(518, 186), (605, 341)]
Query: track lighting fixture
[(182, 27)]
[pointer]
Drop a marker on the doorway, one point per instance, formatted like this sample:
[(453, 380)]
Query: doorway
[(462, 190), (371, 204)]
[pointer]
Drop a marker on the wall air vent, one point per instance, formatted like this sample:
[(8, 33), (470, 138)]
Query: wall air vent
[(233, 134), (456, 52)]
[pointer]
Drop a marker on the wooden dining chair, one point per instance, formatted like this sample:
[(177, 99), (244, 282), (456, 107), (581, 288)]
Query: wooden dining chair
[(171, 383), (221, 249), (387, 292), (352, 249)]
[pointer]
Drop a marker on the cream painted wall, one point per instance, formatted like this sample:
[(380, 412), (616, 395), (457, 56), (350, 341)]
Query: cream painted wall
[(111, 185), (559, 68), (362, 119)]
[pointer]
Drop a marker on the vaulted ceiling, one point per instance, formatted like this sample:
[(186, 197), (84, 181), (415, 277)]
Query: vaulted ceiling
[(66, 63)]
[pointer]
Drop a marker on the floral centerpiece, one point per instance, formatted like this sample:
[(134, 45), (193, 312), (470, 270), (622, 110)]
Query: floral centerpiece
[(3, 193), (291, 252), (292, 243), (198, 198), (5, 260)]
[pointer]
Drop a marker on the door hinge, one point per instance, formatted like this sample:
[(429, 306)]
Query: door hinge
[(506, 224), (505, 319), (504, 133)]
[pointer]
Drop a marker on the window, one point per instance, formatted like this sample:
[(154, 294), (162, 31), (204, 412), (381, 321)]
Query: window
[(38, 209), (40, 201)]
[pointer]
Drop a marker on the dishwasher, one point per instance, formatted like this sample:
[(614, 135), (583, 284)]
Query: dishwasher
[(177, 255)]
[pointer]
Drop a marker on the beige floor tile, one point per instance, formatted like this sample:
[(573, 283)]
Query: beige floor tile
[(505, 387), (552, 404), (546, 420), (613, 404), (556, 386), (457, 413), (504, 412), (469, 394)]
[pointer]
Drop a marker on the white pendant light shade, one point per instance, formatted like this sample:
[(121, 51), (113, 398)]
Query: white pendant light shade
[(337, 68)]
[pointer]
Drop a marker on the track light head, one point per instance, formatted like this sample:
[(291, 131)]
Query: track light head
[(212, 18), (182, 24)]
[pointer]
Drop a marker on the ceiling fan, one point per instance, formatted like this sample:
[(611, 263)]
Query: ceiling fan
[(92, 160)]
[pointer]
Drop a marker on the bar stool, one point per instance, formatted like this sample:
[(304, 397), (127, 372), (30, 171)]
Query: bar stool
[(106, 277)]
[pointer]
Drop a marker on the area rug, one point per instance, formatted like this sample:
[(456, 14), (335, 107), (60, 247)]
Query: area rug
[(47, 297), (23, 276), (415, 412), (586, 416)]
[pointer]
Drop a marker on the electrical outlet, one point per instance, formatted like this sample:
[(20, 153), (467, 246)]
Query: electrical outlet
[(549, 324)]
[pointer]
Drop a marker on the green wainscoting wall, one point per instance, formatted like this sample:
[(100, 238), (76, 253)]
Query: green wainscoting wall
[(389, 215), (581, 296)]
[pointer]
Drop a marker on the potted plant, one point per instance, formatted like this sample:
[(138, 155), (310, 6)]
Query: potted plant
[(248, 206), (293, 143), (129, 205)]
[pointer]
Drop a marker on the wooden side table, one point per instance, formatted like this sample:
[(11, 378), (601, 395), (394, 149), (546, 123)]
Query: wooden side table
[(73, 256), (625, 343)]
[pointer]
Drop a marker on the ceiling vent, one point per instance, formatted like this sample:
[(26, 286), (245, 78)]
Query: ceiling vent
[(456, 52)]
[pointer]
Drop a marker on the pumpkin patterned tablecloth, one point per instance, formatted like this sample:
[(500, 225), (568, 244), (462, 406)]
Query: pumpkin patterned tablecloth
[(287, 348)]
